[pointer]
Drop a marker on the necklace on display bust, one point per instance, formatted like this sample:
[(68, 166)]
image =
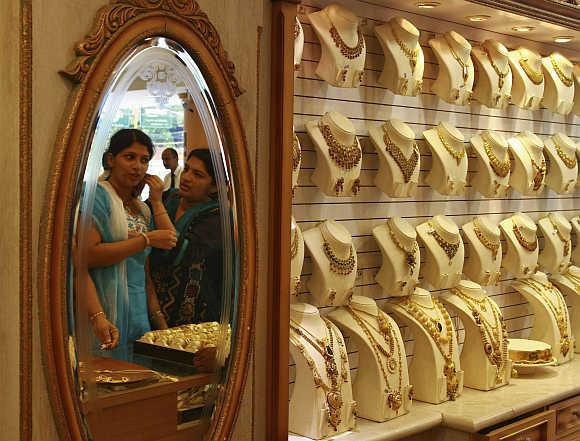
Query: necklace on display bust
[(501, 75), (294, 244), (434, 328), (342, 267), (500, 167), (540, 170), (344, 156), (350, 52), (296, 153), (536, 77), (491, 244), (567, 81), (409, 252), (528, 245), (558, 309), (457, 154), (465, 65), (394, 397), (325, 347), (569, 161), (449, 248), (493, 335), (565, 241), (407, 166), (411, 54)]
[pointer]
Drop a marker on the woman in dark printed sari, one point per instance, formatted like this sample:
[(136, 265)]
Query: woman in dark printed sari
[(188, 279)]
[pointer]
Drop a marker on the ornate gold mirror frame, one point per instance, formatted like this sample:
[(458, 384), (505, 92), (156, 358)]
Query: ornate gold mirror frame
[(119, 27)]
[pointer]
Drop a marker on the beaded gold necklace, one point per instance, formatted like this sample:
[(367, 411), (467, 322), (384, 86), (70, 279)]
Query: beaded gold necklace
[(465, 65), (456, 154), (338, 265), (409, 252), (565, 241), (536, 77), (344, 156), (350, 52), (491, 244), (569, 161), (406, 166), (527, 245), (501, 76), (568, 81), (500, 167), (411, 54), (449, 248)]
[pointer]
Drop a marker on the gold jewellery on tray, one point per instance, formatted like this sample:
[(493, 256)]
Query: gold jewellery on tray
[(409, 252), (344, 156), (569, 161), (566, 80), (411, 54), (457, 154), (338, 266), (501, 75), (536, 77), (491, 244), (435, 329), (350, 52), (527, 245), (407, 166), (335, 379), (500, 167), (449, 248), (565, 242)]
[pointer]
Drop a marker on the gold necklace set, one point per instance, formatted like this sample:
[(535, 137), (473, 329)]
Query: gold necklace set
[(567, 81), (494, 335), (344, 156), (492, 245), (540, 171), (406, 166), (565, 242), (449, 248), (558, 309), (409, 252), (457, 154), (569, 161), (394, 396), (465, 65), (501, 75), (350, 52), (500, 167), (342, 267), (536, 77), (296, 153), (335, 379), (435, 329), (527, 245), (411, 54)]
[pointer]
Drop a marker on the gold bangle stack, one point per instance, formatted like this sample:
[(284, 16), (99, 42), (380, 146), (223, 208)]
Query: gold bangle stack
[(406, 166), (500, 167), (449, 248), (569, 161), (567, 81), (535, 77), (411, 54), (501, 75), (490, 244), (344, 156), (565, 242), (409, 252), (347, 51), (527, 245), (457, 154)]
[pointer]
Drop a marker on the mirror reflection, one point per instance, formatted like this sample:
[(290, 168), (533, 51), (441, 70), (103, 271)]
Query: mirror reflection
[(153, 257)]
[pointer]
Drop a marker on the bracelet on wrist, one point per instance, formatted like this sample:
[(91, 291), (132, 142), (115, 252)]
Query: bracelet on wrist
[(94, 316), (157, 313), (160, 214), (147, 241)]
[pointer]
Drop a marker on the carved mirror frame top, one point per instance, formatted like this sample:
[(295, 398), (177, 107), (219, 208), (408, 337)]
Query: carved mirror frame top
[(119, 27)]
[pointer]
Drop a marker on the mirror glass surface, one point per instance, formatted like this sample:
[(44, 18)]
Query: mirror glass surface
[(153, 273)]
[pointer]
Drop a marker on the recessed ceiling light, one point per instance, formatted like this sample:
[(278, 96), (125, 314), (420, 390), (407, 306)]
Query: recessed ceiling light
[(480, 17), (563, 38), (523, 28), (428, 5)]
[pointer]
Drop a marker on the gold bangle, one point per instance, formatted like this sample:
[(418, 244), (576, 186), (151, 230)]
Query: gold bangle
[(95, 315), (147, 241), (159, 214), (157, 313)]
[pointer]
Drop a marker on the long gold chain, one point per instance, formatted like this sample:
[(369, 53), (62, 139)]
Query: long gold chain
[(495, 344), (339, 266), (558, 309), (501, 75), (457, 154), (416, 311), (350, 52), (344, 156), (411, 54), (449, 248), (491, 244), (536, 77), (540, 173), (569, 161), (407, 166), (500, 167), (409, 252), (568, 81), (530, 246), (565, 242), (464, 65)]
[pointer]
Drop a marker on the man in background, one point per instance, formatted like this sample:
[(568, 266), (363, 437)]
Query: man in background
[(170, 162)]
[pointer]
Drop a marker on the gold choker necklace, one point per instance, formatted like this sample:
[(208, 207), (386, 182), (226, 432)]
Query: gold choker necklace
[(500, 167), (565, 242), (350, 52), (407, 166), (536, 77), (344, 156), (457, 154), (491, 244), (411, 54), (338, 266), (465, 65), (501, 75), (530, 246), (409, 252), (449, 247), (569, 161), (568, 81)]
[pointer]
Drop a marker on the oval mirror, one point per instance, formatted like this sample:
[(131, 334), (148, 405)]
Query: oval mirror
[(149, 254)]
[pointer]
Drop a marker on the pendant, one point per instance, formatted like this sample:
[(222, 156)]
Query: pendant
[(392, 365), (413, 62), (501, 81), (564, 346), (498, 377), (339, 186), (395, 400), (334, 399), (465, 74)]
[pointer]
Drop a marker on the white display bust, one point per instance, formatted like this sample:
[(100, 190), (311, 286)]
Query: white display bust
[(343, 47), (442, 268), (575, 222), (399, 158), (298, 44), (521, 257), (528, 175), (404, 61), (494, 78), (555, 256), (435, 379), (527, 78), (569, 285), (559, 79), (448, 174), (338, 175), (492, 164), (296, 161), (308, 409), (486, 362), (562, 173), (296, 257), (483, 263), (576, 108), (551, 319), (332, 281), (454, 81), (381, 388), (401, 261)]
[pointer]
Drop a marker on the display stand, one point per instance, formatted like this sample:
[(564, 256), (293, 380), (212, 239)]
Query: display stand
[(399, 273), (343, 46), (520, 234), (444, 252), (448, 174), (404, 62), (296, 258), (454, 81), (381, 388), (551, 319), (484, 357), (296, 161), (562, 173), (492, 165), (576, 108), (494, 78), (575, 222), (569, 285), (555, 255), (321, 403), (338, 155), (482, 265), (527, 78), (435, 371), (399, 158), (298, 44), (529, 167), (559, 88), (334, 263)]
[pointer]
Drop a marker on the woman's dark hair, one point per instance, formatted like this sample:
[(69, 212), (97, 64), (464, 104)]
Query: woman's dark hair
[(124, 138), (204, 156)]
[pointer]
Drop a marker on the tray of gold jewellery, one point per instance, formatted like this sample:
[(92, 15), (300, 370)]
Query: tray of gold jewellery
[(528, 355), (193, 345)]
